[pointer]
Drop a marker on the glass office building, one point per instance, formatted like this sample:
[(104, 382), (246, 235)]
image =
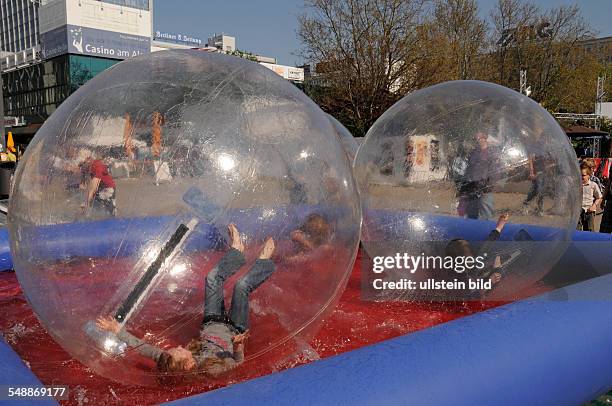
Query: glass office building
[(35, 87), (19, 30), (38, 89)]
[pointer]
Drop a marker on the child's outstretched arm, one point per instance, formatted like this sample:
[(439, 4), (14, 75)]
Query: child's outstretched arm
[(108, 323), (238, 343), (493, 274), (597, 199), (501, 223), (228, 361)]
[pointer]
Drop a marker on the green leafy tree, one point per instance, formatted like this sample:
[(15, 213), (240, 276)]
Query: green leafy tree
[(243, 54)]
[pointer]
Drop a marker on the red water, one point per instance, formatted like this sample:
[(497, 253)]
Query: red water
[(353, 324)]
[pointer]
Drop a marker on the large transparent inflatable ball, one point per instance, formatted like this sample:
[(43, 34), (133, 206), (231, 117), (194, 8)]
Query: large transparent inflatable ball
[(122, 208), (445, 168)]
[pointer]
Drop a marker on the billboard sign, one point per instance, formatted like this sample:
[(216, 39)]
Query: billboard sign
[(296, 74), (178, 38), (54, 42), (288, 72), (94, 42)]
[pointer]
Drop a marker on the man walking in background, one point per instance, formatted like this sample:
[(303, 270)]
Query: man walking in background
[(479, 180), (100, 187)]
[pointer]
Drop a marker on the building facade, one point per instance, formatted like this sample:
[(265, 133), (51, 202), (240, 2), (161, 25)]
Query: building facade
[(55, 46), (600, 48), (37, 90), (19, 25), (222, 42), (73, 41), (19, 32)]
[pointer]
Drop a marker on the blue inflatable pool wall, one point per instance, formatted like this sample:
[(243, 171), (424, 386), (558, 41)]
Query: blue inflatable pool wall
[(554, 349), (125, 236)]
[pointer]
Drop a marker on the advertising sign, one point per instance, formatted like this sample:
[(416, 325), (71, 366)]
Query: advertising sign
[(288, 72), (54, 42), (178, 38), (296, 74), (90, 41)]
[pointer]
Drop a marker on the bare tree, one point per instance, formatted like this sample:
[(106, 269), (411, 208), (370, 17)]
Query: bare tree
[(365, 53), (369, 53), (545, 43), (509, 20)]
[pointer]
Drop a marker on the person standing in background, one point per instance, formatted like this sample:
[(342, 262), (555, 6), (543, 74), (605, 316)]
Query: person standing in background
[(591, 199), (536, 191), (592, 165), (479, 180), (100, 187), (606, 219)]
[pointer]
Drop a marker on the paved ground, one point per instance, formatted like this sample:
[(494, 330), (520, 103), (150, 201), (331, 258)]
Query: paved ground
[(139, 196), (136, 196), (442, 200)]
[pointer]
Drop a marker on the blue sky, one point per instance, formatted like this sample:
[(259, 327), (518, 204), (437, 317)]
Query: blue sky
[(268, 27)]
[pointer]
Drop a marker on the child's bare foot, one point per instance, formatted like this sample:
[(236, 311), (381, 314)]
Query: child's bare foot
[(267, 250), (235, 237)]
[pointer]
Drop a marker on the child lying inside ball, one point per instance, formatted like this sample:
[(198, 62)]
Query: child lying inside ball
[(220, 344), (493, 272)]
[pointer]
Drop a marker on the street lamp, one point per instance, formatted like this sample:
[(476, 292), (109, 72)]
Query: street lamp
[(526, 90)]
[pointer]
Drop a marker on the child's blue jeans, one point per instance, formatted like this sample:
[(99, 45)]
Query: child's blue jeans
[(214, 303)]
